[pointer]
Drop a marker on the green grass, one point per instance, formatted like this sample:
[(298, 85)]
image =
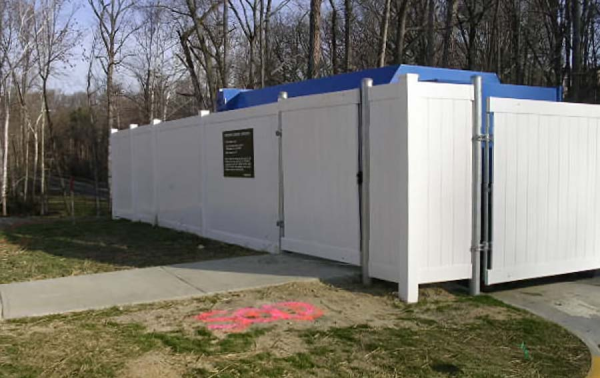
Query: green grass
[(461, 343), (65, 248)]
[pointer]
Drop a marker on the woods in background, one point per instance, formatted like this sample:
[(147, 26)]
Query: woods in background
[(167, 59)]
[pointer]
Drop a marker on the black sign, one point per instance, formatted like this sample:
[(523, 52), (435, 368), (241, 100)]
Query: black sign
[(238, 153)]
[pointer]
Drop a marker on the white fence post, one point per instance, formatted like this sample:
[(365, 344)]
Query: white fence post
[(155, 171), (134, 207), (408, 282), (111, 184)]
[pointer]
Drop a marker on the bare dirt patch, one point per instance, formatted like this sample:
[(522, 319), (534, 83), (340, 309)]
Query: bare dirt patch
[(362, 332), (152, 365)]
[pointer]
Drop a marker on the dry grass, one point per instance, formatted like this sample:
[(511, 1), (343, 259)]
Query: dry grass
[(362, 333), (50, 249)]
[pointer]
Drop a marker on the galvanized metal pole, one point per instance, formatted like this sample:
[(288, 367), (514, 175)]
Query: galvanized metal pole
[(364, 178), (487, 196), (281, 216), (474, 286)]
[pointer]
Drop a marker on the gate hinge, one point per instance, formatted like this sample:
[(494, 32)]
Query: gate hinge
[(280, 223), (483, 247), (278, 133), (483, 138), (359, 178)]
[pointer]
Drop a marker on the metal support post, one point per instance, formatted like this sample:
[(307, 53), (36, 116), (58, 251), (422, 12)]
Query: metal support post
[(364, 178), (281, 216), (476, 247)]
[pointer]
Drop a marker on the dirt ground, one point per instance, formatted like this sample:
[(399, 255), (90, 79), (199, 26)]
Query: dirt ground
[(358, 332)]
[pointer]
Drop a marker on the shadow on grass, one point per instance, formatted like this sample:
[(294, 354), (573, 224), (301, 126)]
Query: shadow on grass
[(61, 248)]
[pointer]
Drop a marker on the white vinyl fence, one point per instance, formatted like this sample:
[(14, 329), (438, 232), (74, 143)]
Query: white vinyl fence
[(546, 189), (420, 183), (174, 174), (320, 163)]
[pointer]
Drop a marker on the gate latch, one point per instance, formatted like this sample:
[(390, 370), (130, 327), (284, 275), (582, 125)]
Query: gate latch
[(280, 223), (482, 247), (483, 138)]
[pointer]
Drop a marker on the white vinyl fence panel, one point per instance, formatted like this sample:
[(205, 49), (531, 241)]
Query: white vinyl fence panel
[(142, 174), (320, 164), (120, 161), (440, 161), (178, 167), (546, 194), (239, 210), (420, 190)]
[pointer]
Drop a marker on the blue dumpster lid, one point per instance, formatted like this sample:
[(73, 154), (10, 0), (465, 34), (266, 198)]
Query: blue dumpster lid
[(232, 98)]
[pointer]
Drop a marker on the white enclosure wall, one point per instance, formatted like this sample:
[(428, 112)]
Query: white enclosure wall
[(546, 195), (121, 171), (242, 210), (420, 188), (420, 143), (142, 174), (178, 167), (440, 163), (320, 163)]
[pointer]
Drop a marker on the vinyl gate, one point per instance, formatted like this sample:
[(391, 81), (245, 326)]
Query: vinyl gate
[(320, 164), (546, 189)]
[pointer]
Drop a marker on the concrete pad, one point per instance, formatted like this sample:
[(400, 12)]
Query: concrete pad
[(574, 305), (97, 291), (91, 292), (258, 271)]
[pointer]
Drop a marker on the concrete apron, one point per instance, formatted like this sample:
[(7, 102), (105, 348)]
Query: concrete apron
[(573, 305)]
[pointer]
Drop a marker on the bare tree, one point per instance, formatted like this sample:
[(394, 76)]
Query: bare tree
[(113, 19), (347, 34), (334, 29), (54, 39), (451, 6), (577, 55), (429, 57), (402, 13), (248, 20), (314, 54), (151, 63), (225, 74), (385, 23)]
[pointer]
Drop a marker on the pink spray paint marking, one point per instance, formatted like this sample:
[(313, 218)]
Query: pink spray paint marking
[(239, 320)]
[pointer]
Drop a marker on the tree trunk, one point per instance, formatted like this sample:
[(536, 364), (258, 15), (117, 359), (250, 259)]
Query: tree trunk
[(5, 152), (401, 30), (429, 58), (261, 43), (251, 78), (268, 39), (225, 73), (516, 42), (576, 76), (347, 35), (314, 55), (383, 37), (451, 6), (334, 27), (189, 63)]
